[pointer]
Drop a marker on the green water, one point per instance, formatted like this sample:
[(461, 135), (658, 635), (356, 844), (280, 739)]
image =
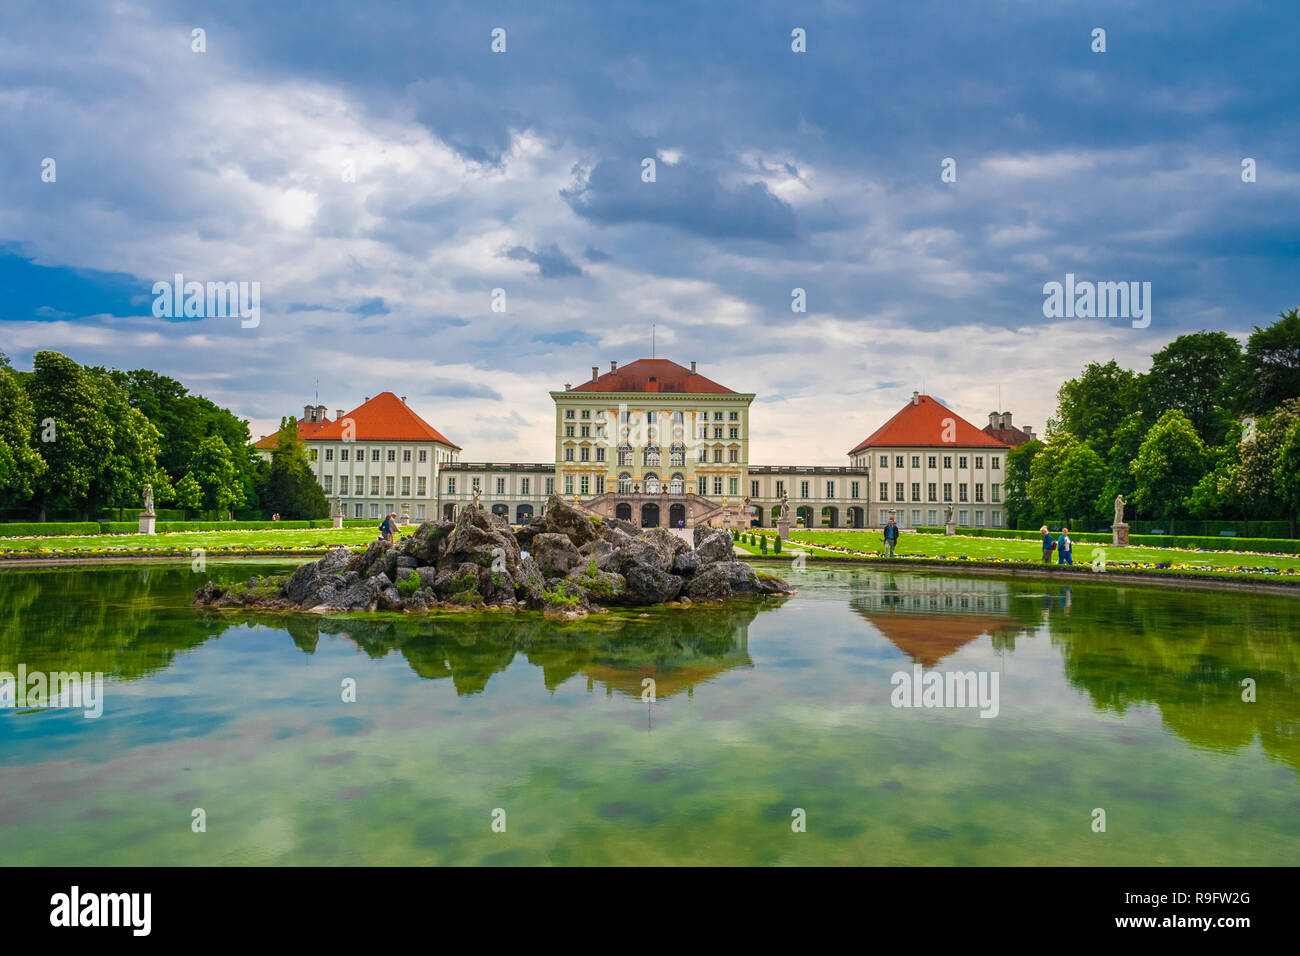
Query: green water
[(1123, 699)]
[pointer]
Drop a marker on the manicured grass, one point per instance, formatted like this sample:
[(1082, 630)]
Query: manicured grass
[(913, 545), (304, 539)]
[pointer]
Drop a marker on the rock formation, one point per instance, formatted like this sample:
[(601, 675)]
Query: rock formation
[(564, 562)]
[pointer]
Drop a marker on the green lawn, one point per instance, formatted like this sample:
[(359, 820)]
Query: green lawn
[(914, 545), (305, 539)]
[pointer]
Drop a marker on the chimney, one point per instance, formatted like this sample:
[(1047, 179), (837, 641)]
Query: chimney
[(367, 398), (993, 419), (1028, 431), (338, 413), (692, 368), (1006, 419), (567, 386), (595, 372), (308, 413), (403, 399), (613, 366), (916, 398)]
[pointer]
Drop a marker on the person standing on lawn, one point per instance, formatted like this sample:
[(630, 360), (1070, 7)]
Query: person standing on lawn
[(1048, 546), (388, 527), (1065, 548), (891, 538)]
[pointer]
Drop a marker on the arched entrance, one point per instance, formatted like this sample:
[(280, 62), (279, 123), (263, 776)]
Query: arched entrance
[(449, 512), (831, 516), (623, 511), (804, 514), (856, 518), (651, 484), (501, 511), (523, 514), (650, 515), (676, 516), (776, 514)]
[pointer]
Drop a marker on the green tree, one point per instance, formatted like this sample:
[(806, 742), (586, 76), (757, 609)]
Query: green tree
[(213, 467), (1043, 470), (20, 463), (73, 434), (1271, 367), (1259, 453), (1015, 487), (189, 493), (1168, 466), (1125, 443), (1196, 374), (291, 488), (1091, 407), (131, 451), (1286, 473), (1078, 482)]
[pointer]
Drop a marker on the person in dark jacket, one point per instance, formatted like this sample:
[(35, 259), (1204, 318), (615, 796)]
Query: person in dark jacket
[(1047, 545), (1065, 548), (891, 538), (389, 526)]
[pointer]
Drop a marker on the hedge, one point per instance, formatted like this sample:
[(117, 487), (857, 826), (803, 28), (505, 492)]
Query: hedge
[(1269, 545), (24, 529), (1192, 527)]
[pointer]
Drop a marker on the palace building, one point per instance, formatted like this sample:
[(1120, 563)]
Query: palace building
[(657, 443)]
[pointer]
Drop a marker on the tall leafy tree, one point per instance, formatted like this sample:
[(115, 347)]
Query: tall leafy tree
[(1015, 488), (1259, 454), (292, 489), (189, 493), (1271, 367), (1168, 466), (20, 463), (73, 433), (1198, 375), (132, 451), (1286, 472), (1043, 471), (1078, 482), (1091, 406), (213, 467), (1125, 443)]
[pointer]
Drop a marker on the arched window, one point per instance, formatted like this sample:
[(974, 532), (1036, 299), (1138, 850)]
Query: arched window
[(625, 454), (651, 483), (677, 455), (625, 484), (678, 418), (651, 455), (676, 485)]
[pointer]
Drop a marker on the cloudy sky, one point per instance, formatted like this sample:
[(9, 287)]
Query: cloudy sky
[(522, 171)]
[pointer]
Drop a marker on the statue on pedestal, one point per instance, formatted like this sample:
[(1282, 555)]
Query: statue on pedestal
[(148, 498), (476, 494), (785, 507), (1119, 509)]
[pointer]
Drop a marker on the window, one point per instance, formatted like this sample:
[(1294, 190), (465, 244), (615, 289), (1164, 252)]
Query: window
[(419, 511), (356, 509), (931, 461), (898, 461), (753, 489), (451, 484), (313, 454), (780, 489), (584, 453), (717, 455), (947, 461), (703, 433), (932, 517), (853, 489), (733, 432), (329, 454), (501, 486), (979, 461), (421, 486), (651, 455), (374, 454), (374, 485), (678, 418), (898, 491), (406, 454), (585, 431), (703, 484), (424, 456), (343, 484), (327, 483), (997, 519), (392, 454), (884, 461), (803, 489), (961, 461), (997, 494), (652, 418), (523, 486), (717, 479), (406, 485), (916, 517), (961, 492), (704, 454), (717, 432), (568, 484), (995, 463), (734, 416), (374, 511), (600, 415), (830, 489), (600, 453), (568, 454), (979, 519), (600, 484), (474, 483), (916, 461), (568, 431), (884, 491), (717, 416), (916, 491), (568, 413), (389, 485), (584, 484), (733, 455), (947, 491), (586, 413), (964, 518), (677, 455), (625, 454), (979, 492), (343, 454), (550, 486), (931, 492)]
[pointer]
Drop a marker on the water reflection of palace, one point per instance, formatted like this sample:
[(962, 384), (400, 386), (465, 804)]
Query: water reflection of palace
[(931, 618)]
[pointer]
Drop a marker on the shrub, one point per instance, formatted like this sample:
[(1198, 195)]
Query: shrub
[(45, 529), (776, 545), (762, 546), (408, 585)]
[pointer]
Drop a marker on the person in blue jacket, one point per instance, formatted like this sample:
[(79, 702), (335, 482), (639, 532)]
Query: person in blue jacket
[(1064, 548), (1048, 547), (891, 538)]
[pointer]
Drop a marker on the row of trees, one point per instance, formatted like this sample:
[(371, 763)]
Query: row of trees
[(1211, 431), (76, 440)]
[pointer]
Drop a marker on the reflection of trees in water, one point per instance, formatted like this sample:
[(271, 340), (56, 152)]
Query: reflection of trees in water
[(123, 622), (1187, 653)]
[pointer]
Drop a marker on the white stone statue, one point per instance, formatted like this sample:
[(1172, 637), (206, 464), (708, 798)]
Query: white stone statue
[(148, 498), (785, 507), (476, 494), (1119, 509), (947, 518)]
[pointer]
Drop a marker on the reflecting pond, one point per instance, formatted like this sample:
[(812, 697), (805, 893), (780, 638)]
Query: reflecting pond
[(767, 718)]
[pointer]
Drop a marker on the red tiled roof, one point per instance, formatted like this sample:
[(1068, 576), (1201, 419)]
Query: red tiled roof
[(922, 426), (1008, 436), (928, 638), (653, 375), (271, 442), (384, 418)]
